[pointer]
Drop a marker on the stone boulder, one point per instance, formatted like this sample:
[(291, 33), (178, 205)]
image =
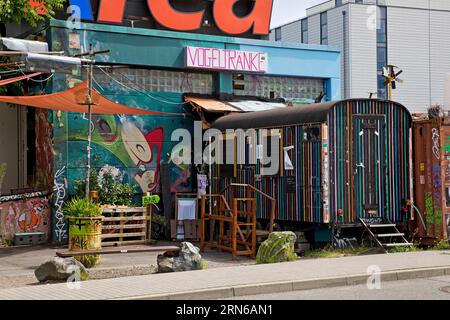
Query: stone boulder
[(60, 269), (187, 259), (279, 247)]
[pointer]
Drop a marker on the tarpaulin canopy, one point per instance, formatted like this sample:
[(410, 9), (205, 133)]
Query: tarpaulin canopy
[(20, 78), (74, 100)]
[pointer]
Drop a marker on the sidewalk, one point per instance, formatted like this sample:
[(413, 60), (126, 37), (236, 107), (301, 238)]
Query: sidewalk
[(243, 280)]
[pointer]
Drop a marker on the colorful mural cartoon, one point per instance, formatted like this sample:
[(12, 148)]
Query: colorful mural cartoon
[(135, 145), (27, 215)]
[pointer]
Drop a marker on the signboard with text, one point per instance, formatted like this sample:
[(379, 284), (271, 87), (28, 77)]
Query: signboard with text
[(246, 18), (226, 59)]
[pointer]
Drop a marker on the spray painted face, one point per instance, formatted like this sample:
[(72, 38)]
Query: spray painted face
[(135, 143)]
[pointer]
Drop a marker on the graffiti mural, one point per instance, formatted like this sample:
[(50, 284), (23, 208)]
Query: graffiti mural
[(27, 215), (134, 145), (60, 194)]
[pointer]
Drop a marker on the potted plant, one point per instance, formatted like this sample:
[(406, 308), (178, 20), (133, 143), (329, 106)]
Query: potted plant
[(85, 228)]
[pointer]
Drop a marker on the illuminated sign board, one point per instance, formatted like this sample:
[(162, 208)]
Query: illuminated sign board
[(168, 14), (226, 59)]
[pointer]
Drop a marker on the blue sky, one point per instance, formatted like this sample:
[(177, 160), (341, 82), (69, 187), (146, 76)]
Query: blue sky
[(290, 10)]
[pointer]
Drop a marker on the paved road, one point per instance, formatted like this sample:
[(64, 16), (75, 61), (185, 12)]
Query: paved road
[(416, 289)]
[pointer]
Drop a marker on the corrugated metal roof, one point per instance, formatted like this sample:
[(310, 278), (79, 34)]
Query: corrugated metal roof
[(212, 105), (252, 106)]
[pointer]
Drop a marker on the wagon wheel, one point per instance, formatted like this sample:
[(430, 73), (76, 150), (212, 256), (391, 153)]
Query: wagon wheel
[(367, 240)]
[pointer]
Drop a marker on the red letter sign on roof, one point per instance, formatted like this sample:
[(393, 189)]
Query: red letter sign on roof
[(170, 18), (229, 23), (111, 11)]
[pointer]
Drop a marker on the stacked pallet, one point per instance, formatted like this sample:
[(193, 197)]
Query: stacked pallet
[(126, 226)]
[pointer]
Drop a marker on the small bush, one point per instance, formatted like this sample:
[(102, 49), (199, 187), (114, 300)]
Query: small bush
[(82, 207), (442, 245), (399, 249)]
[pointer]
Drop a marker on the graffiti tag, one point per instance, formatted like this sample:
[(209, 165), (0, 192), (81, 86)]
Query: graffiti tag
[(60, 190), (436, 151)]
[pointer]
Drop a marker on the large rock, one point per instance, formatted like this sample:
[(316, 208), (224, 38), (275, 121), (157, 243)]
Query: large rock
[(279, 247), (60, 269), (187, 259)]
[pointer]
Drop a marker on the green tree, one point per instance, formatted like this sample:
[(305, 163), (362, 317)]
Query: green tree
[(32, 12)]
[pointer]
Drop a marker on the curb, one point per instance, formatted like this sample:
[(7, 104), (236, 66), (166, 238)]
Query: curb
[(294, 285)]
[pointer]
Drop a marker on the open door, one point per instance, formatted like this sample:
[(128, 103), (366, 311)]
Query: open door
[(369, 166)]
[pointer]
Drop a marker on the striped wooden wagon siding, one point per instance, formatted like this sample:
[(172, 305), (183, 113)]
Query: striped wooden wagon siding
[(351, 156)]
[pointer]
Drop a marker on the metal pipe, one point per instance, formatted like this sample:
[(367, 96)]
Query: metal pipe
[(89, 98)]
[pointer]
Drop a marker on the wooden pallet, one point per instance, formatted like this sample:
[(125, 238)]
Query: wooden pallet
[(127, 226)]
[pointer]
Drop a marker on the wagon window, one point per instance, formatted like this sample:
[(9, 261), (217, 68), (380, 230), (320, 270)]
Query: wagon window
[(311, 134)]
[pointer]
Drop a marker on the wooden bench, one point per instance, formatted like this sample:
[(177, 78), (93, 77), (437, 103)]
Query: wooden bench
[(67, 253)]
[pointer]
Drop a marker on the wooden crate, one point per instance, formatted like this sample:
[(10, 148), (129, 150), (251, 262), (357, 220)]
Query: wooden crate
[(126, 226)]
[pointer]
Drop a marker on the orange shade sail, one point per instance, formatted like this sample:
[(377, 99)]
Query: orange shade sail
[(74, 100), (15, 79)]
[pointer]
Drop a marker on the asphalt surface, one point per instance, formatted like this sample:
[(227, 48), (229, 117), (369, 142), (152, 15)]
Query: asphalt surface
[(415, 289)]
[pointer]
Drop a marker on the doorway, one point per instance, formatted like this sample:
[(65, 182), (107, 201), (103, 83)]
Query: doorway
[(369, 165)]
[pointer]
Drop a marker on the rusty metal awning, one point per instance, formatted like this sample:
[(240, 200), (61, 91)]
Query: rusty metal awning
[(211, 105), (216, 106)]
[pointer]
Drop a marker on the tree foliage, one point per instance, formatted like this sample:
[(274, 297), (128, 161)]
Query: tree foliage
[(30, 11)]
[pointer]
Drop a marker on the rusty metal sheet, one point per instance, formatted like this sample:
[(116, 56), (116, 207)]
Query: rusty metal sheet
[(211, 105), (432, 178)]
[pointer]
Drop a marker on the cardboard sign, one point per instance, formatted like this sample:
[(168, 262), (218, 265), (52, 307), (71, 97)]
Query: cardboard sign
[(150, 200), (226, 59)]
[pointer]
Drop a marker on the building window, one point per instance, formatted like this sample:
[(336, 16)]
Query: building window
[(338, 3), (304, 30), (278, 34), (382, 52), (155, 80), (359, 1), (290, 88), (324, 28)]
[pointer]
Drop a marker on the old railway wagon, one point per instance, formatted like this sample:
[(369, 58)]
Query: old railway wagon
[(339, 161)]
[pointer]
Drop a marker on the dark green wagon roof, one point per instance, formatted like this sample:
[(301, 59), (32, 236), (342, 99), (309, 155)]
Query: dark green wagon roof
[(311, 113)]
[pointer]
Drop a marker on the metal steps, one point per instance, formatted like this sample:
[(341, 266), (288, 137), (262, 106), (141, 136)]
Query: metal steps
[(390, 238), (388, 225), (385, 235), (391, 245)]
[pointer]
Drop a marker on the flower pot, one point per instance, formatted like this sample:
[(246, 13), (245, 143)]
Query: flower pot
[(94, 196), (85, 233)]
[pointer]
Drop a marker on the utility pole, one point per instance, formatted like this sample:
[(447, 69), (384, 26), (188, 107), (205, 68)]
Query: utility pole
[(89, 103)]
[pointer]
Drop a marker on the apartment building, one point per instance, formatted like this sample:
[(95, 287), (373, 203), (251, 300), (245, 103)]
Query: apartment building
[(411, 34)]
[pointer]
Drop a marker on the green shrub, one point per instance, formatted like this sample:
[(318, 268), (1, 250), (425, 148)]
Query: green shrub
[(82, 207), (110, 191), (400, 249), (442, 245), (114, 192)]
